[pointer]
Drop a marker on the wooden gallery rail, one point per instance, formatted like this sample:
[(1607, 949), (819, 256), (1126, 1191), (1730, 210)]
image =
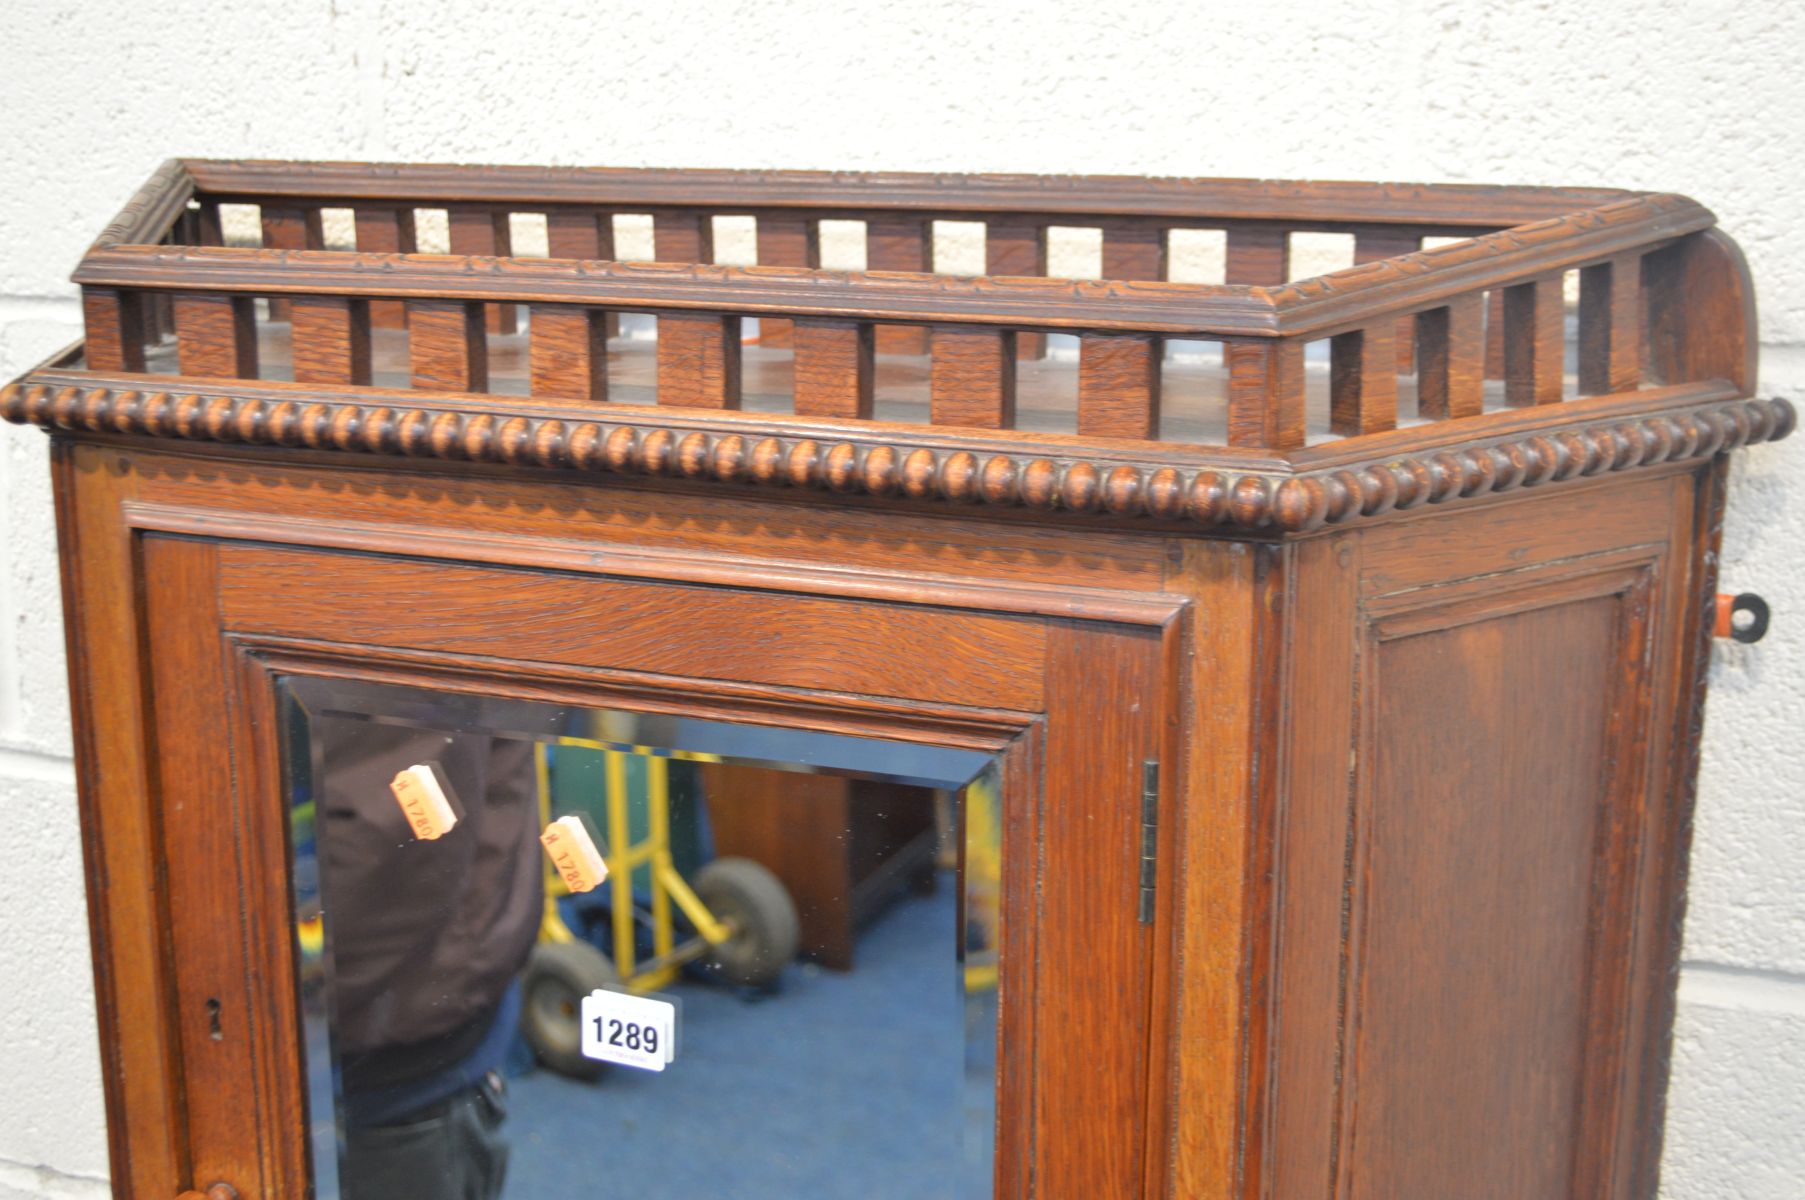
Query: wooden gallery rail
[(1486, 308), (1341, 640)]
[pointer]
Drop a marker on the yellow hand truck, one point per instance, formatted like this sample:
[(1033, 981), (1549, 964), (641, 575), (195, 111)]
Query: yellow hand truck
[(745, 927)]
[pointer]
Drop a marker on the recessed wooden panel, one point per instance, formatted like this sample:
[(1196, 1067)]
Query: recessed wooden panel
[(800, 642), (1477, 860)]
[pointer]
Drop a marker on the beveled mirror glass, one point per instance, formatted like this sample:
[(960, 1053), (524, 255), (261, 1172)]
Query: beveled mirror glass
[(820, 913)]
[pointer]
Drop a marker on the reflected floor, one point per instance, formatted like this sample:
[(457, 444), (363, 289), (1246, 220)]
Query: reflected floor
[(739, 1091)]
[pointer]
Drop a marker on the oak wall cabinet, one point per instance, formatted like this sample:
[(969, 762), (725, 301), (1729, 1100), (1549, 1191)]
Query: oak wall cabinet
[(1289, 689)]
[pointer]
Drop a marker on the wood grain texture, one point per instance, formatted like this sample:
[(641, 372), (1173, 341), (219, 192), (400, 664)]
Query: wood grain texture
[(699, 360), (1220, 995), (784, 242), (484, 233), (331, 339), (972, 381), (1134, 252), (579, 233), (1533, 349), (568, 351), (1500, 853), (381, 230), (1341, 482), (290, 227), (216, 335), (114, 325), (1203, 200), (1196, 1056), (1265, 393), (226, 1073), (682, 236), (1018, 249), (1494, 334), (804, 643), (134, 975), (833, 369), (1450, 347), (447, 345), (1257, 256), (1689, 337), (583, 234), (1610, 326), (899, 243), (1363, 381), (1118, 386), (1092, 956), (1377, 245)]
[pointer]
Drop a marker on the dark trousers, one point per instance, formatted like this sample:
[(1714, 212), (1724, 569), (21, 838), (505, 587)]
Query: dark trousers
[(455, 1151)]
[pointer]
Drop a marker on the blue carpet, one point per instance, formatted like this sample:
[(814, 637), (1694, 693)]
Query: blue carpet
[(837, 1085)]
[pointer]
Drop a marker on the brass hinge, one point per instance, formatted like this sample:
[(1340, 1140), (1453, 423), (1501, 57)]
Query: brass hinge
[(1149, 836)]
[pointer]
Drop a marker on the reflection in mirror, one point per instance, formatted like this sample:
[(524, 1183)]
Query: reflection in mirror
[(784, 983)]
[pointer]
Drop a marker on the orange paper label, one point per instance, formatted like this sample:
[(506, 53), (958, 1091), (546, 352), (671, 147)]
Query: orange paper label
[(572, 851), (423, 802)]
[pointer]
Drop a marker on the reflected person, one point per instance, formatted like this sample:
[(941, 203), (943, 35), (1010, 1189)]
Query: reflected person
[(427, 941)]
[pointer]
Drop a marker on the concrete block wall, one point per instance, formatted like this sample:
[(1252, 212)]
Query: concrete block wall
[(1701, 97)]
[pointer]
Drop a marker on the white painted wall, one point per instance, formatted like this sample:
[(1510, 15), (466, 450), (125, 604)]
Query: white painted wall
[(1703, 98)]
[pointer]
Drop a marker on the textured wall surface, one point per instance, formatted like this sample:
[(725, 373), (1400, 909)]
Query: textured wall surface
[(1702, 98)]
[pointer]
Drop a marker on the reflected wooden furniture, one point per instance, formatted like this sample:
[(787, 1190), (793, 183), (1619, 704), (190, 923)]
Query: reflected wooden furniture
[(844, 848), (1344, 638)]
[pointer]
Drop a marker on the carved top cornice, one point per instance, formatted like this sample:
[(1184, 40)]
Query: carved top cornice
[(1059, 478)]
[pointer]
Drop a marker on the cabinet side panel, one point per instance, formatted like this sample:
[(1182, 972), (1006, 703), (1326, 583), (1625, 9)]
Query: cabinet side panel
[(1469, 1040)]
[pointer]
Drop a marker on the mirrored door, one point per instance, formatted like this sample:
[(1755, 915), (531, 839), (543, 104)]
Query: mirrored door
[(549, 950)]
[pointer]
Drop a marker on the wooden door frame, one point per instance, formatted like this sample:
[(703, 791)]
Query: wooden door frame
[(153, 1102)]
